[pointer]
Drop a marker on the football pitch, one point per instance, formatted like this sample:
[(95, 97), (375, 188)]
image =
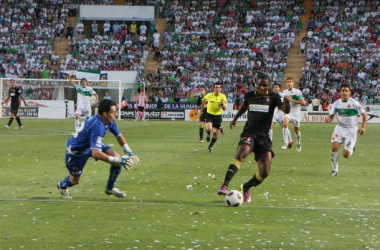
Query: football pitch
[(171, 198)]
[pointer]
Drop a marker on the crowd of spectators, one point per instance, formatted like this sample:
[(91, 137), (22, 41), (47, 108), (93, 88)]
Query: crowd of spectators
[(342, 45), (28, 29), (117, 46), (223, 41)]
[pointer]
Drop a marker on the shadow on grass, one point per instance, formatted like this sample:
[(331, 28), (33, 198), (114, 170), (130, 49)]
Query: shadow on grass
[(211, 203)]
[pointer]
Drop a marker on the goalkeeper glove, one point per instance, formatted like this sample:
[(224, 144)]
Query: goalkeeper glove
[(128, 151), (125, 161)]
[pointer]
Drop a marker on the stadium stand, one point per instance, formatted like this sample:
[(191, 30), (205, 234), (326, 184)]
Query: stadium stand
[(342, 45), (209, 41)]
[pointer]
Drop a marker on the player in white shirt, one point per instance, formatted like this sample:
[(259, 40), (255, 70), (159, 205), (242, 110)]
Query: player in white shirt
[(347, 110), (84, 94), (296, 100), (278, 115)]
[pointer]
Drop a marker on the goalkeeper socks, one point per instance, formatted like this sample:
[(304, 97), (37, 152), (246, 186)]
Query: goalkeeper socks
[(114, 173), (18, 121), (298, 138), (213, 140), (201, 133), (232, 170), (143, 116), (10, 121), (256, 180), (137, 115), (334, 160), (271, 134), (65, 183)]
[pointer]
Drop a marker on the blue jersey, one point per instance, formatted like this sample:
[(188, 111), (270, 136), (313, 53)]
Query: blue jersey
[(90, 136)]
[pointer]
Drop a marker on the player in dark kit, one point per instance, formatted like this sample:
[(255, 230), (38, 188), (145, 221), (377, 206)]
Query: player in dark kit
[(202, 118), (14, 94), (255, 136)]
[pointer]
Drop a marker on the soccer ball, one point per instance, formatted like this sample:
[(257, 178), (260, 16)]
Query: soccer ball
[(234, 198)]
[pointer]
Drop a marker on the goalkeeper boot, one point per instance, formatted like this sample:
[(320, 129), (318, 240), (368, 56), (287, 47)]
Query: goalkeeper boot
[(210, 149), (19, 127), (6, 126), (247, 196), (223, 190), (64, 192), (116, 192)]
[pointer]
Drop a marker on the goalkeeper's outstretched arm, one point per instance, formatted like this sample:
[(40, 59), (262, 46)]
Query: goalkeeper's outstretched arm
[(127, 150)]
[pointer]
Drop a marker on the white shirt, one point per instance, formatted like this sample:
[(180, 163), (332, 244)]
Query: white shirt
[(84, 94), (295, 94), (347, 113)]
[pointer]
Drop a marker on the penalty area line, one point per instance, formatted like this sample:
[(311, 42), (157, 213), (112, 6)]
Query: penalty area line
[(186, 204)]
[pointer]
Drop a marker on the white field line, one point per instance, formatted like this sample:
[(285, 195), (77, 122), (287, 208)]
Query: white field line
[(186, 204)]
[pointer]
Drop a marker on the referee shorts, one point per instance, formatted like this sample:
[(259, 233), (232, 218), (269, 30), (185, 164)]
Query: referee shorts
[(216, 120)]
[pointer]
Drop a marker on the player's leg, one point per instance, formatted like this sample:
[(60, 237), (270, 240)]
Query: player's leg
[(114, 173), (334, 158), (264, 162), (336, 140), (349, 144), (263, 157), (19, 122), (78, 113), (216, 123), (297, 131), (88, 112), (285, 132), (10, 121), (208, 126), (17, 117), (271, 130), (137, 113), (143, 114), (201, 131), (75, 165), (244, 149)]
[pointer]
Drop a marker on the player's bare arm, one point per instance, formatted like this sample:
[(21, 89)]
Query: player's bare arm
[(286, 106), (99, 155), (9, 97), (241, 111), (202, 106), (23, 99), (300, 101), (364, 123), (223, 105), (329, 118)]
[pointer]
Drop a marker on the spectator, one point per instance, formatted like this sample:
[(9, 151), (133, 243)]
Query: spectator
[(69, 31)]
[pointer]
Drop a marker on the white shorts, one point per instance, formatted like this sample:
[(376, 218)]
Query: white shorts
[(346, 137), (84, 110), (296, 121), (278, 118)]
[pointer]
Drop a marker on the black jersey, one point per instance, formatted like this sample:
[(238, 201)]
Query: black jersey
[(260, 111), (15, 94), (199, 103)]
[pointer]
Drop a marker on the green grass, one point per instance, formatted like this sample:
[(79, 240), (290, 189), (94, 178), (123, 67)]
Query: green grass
[(172, 201)]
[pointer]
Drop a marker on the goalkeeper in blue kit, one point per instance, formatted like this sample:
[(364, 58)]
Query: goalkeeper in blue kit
[(88, 142)]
